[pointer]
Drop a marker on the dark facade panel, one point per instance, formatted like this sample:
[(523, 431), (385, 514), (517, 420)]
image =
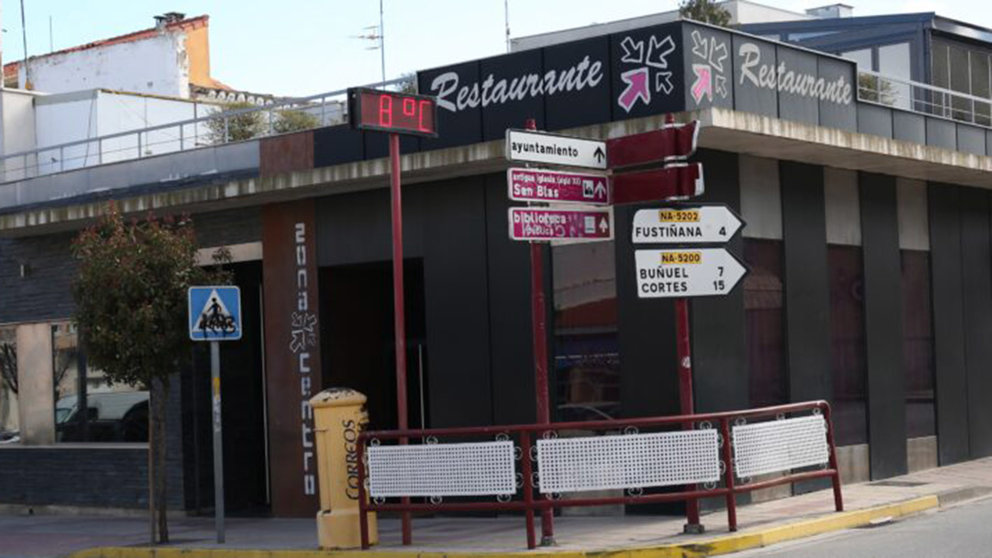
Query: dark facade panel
[(839, 112), (499, 115), (458, 123), (940, 133), (44, 292), (976, 282), (357, 227), (377, 144), (719, 345), (948, 323), (335, 145), (807, 296), (578, 107), (647, 71), (231, 226), (510, 340), (971, 139), (800, 108), (457, 298), (709, 67), (649, 383), (749, 95), (874, 120), (883, 325), (907, 126)]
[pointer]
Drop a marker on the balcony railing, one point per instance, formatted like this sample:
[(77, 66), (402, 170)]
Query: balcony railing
[(217, 128), (874, 87)]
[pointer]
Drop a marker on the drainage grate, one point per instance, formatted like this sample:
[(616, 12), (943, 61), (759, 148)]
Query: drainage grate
[(902, 484)]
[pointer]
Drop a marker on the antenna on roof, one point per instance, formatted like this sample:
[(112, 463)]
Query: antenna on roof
[(24, 39)]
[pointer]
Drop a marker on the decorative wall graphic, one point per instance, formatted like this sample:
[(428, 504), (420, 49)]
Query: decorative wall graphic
[(652, 53), (708, 67)]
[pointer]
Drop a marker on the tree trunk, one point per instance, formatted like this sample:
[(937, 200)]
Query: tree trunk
[(163, 518), (151, 467)]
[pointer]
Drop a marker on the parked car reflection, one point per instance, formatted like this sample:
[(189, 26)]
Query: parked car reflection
[(110, 417)]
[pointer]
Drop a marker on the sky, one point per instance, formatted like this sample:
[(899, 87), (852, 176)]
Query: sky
[(305, 47)]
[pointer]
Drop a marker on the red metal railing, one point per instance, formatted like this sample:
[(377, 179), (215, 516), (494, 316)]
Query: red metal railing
[(531, 505)]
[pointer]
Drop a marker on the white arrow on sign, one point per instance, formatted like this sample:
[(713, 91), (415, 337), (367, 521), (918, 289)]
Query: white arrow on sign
[(552, 149), (683, 225), (686, 272)]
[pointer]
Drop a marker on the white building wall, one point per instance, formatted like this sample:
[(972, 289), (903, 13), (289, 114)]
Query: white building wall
[(63, 119), (120, 112), (158, 65), (761, 197)]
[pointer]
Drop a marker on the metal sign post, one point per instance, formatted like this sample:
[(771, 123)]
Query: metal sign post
[(214, 316), (399, 308)]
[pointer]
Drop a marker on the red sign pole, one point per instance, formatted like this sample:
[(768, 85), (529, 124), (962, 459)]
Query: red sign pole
[(684, 350), (540, 329), (399, 313)]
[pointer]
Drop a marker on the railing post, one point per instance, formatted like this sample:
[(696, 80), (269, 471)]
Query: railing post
[(182, 145), (62, 159), (139, 144), (363, 514), (729, 475), (527, 473), (838, 498), (226, 129), (323, 105)]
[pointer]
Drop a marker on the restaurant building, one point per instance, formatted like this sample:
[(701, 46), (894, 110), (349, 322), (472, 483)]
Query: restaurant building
[(867, 235)]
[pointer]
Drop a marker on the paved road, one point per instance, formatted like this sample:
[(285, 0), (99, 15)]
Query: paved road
[(963, 531)]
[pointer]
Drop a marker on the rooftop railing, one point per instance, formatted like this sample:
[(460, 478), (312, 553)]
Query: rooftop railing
[(874, 87), (219, 127)]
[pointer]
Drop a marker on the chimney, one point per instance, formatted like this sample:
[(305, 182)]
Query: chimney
[(168, 17), (832, 11)]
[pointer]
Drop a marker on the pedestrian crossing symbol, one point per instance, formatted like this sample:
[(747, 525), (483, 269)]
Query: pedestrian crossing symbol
[(214, 313)]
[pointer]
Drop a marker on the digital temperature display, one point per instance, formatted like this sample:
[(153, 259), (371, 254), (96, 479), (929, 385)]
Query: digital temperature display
[(387, 111)]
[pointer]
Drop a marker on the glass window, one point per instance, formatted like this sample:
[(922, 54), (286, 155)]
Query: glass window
[(9, 429), (918, 344), (940, 76), (862, 57), (960, 81), (763, 318), (113, 412), (894, 60), (980, 86), (847, 344), (587, 359)]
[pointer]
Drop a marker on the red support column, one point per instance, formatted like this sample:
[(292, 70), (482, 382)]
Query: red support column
[(540, 330), (399, 313)]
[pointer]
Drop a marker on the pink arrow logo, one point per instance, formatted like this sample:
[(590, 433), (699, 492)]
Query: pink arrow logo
[(637, 88), (703, 84)]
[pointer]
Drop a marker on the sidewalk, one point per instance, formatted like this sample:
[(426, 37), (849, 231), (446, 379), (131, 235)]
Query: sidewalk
[(760, 525)]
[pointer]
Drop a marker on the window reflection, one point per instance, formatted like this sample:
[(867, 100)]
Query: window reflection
[(587, 359), (918, 344), (9, 425), (847, 344), (763, 315), (88, 408)]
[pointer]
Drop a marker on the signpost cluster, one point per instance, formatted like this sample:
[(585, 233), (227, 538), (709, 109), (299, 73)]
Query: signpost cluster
[(683, 256)]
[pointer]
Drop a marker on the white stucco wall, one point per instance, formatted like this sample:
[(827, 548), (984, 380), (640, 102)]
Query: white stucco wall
[(18, 121), (62, 119), (157, 65), (119, 113)]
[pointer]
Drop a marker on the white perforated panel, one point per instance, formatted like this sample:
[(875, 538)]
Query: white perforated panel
[(628, 461), (780, 445), (471, 469)]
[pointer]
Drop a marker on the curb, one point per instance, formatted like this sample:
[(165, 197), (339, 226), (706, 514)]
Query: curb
[(756, 538)]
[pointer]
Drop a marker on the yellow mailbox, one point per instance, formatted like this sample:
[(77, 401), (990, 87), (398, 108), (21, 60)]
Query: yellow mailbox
[(339, 416)]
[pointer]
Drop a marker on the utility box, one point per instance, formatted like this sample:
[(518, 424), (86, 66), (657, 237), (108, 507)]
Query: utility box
[(339, 417)]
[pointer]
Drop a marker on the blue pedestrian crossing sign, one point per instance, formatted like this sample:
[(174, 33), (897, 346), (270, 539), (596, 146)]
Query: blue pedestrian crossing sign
[(214, 313)]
